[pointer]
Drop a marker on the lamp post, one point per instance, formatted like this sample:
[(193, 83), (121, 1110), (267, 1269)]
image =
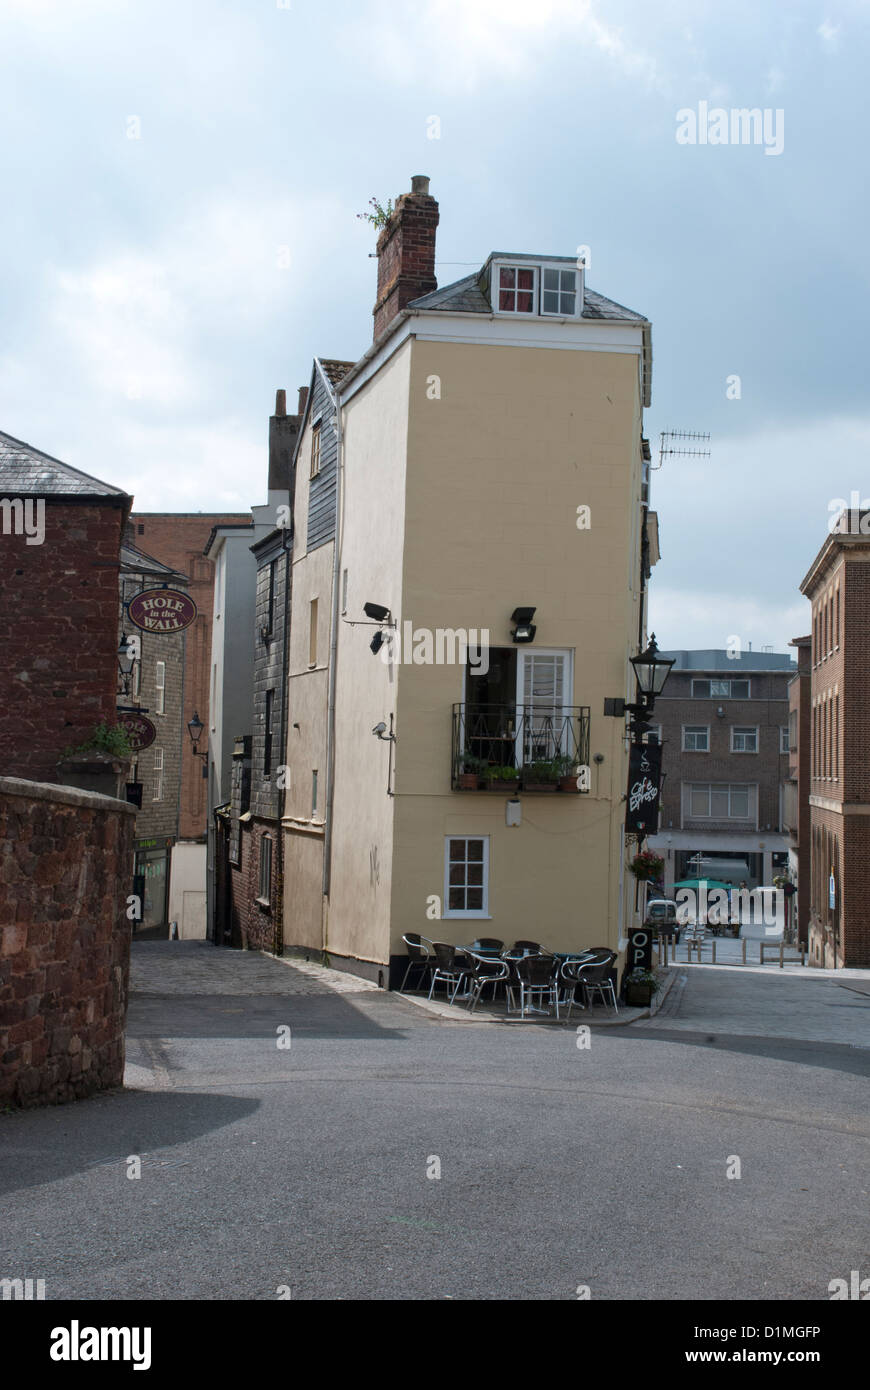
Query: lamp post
[(195, 728), (125, 662), (651, 671)]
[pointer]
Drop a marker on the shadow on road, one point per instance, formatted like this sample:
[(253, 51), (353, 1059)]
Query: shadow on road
[(249, 1016), (44, 1145), (830, 1055)]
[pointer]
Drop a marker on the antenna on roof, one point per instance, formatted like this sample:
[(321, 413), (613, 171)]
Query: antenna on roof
[(667, 450)]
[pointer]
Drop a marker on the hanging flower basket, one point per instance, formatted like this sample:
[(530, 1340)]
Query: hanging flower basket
[(647, 865)]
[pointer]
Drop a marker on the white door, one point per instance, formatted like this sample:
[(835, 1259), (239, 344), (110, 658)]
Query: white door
[(544, 688)]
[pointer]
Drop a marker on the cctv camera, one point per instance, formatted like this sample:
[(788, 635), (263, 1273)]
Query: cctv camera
[(379, 729)]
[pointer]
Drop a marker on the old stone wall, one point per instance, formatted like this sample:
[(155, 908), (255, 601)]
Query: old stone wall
[(66, 864)]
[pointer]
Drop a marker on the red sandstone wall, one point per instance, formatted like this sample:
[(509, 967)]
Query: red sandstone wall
[(66, 864), (58, 636)]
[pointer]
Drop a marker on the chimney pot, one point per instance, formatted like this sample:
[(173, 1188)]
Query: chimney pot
[(280, 402), (303, 400), (419, 183)]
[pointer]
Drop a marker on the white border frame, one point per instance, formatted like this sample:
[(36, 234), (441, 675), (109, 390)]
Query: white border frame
[(466, 915)]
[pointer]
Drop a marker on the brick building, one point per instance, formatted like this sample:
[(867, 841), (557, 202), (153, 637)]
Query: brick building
[(154, 686), (178, 539), (723, 723), (60, 542), (838, 588), (250, 878), (796, 798)]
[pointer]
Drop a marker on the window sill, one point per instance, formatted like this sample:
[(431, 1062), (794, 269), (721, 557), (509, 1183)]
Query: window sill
[(466, 917), (264, 903)]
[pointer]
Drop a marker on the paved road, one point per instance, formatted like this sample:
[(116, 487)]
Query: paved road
[(307, 1166)]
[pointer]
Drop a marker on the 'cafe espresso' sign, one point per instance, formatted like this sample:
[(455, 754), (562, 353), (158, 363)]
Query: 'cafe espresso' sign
[(161, 610), (644, 788)]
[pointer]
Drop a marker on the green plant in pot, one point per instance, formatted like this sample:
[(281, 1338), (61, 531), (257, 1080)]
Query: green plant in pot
[(542, 775), (470, 769), (640, 986), (567, 772), (502, 779)]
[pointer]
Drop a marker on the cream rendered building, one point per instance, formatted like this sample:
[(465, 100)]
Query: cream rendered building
[(487, 456)]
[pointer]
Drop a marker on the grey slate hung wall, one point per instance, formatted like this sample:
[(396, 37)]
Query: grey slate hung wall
[(321, 496), (273, 557)]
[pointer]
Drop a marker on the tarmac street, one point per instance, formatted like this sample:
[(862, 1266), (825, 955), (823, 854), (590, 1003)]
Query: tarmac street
[(298, 1129)]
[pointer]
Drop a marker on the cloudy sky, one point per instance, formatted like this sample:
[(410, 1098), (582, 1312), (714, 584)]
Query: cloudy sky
[(180, 237)]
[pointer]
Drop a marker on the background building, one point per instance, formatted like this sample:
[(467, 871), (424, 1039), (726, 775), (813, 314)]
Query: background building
[(838, 588), (59, 615), (154, 687), (178, 539), (723, 724), (796, 801)]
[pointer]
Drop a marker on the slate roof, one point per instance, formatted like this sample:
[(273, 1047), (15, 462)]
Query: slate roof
[(717, 660), (467, 297), (29, 472), (138, 562)]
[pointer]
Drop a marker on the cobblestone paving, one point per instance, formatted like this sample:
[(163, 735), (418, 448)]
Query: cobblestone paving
[(196, 967)]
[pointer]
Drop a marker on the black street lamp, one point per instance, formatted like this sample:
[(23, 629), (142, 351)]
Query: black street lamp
[(651, 671), (195, 728), (125, 662)]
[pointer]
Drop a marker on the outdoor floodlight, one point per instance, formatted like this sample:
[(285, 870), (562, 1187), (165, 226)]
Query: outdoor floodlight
[(376, 611), (525, 629)]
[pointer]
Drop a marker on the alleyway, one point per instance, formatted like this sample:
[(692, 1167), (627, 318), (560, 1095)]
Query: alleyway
[(308, 1166)]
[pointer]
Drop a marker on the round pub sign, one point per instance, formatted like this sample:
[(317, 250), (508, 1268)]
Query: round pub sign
[(140, 731), (161, 610)]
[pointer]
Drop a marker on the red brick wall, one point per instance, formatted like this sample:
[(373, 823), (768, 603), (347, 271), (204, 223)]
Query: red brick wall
[(58, 635), (66, 865), (255, 926), (178, 539)]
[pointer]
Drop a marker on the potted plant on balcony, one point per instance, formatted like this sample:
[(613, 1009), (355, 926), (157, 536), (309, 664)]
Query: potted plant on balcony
[(501, 779), (640, 986), (469, 771), (99, 764), (542, 775), (568, 773), (647, 865)]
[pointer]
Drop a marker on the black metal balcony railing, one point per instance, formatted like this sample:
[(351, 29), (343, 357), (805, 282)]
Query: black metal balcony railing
[(541, 743)]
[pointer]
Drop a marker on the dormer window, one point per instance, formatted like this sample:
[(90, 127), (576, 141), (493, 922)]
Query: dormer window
[(559, 294), (545, 289), (517, 286)]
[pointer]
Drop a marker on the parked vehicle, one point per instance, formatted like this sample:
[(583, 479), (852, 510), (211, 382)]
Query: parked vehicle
[(661, 917)]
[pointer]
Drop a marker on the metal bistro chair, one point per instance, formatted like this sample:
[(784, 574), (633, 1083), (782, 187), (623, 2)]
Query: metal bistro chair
[(451, 967), (572, 975), (537, 976), (420, 957), (486, 944), (486, 970), (596, 979), (530, 948)]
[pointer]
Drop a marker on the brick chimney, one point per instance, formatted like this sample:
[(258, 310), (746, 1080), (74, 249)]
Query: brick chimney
[(406, 253), (283, 429)]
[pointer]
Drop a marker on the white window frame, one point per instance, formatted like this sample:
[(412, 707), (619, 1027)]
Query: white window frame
[(265, 893), (315, 459), (784, 739), (160, 687), (729, 787), (696, 728), (467, 913), (158, 775), (497, 268), (741, 729), (528, 654), (578, 291)]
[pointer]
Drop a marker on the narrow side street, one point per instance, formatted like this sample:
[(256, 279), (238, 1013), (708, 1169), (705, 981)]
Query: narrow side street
[(306, 1165)]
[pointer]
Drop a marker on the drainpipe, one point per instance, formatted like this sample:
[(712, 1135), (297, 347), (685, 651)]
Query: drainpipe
[(333, 650)]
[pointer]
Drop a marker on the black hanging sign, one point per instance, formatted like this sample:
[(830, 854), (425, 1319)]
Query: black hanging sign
[(644, 788)]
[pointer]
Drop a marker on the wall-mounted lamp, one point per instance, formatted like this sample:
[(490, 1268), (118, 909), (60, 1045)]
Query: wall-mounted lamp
[(195, 728), (525, 629), (720, 713)]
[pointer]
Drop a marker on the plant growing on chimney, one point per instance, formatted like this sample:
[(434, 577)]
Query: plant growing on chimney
[(381, 215)]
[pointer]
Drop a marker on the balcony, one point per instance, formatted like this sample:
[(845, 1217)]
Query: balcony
[(507, 748)]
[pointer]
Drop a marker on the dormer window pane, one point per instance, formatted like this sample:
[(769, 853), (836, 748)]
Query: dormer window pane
[(560, 293), (516, 290)]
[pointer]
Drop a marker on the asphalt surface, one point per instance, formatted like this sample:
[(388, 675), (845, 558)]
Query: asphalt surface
[(306, 1167)]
